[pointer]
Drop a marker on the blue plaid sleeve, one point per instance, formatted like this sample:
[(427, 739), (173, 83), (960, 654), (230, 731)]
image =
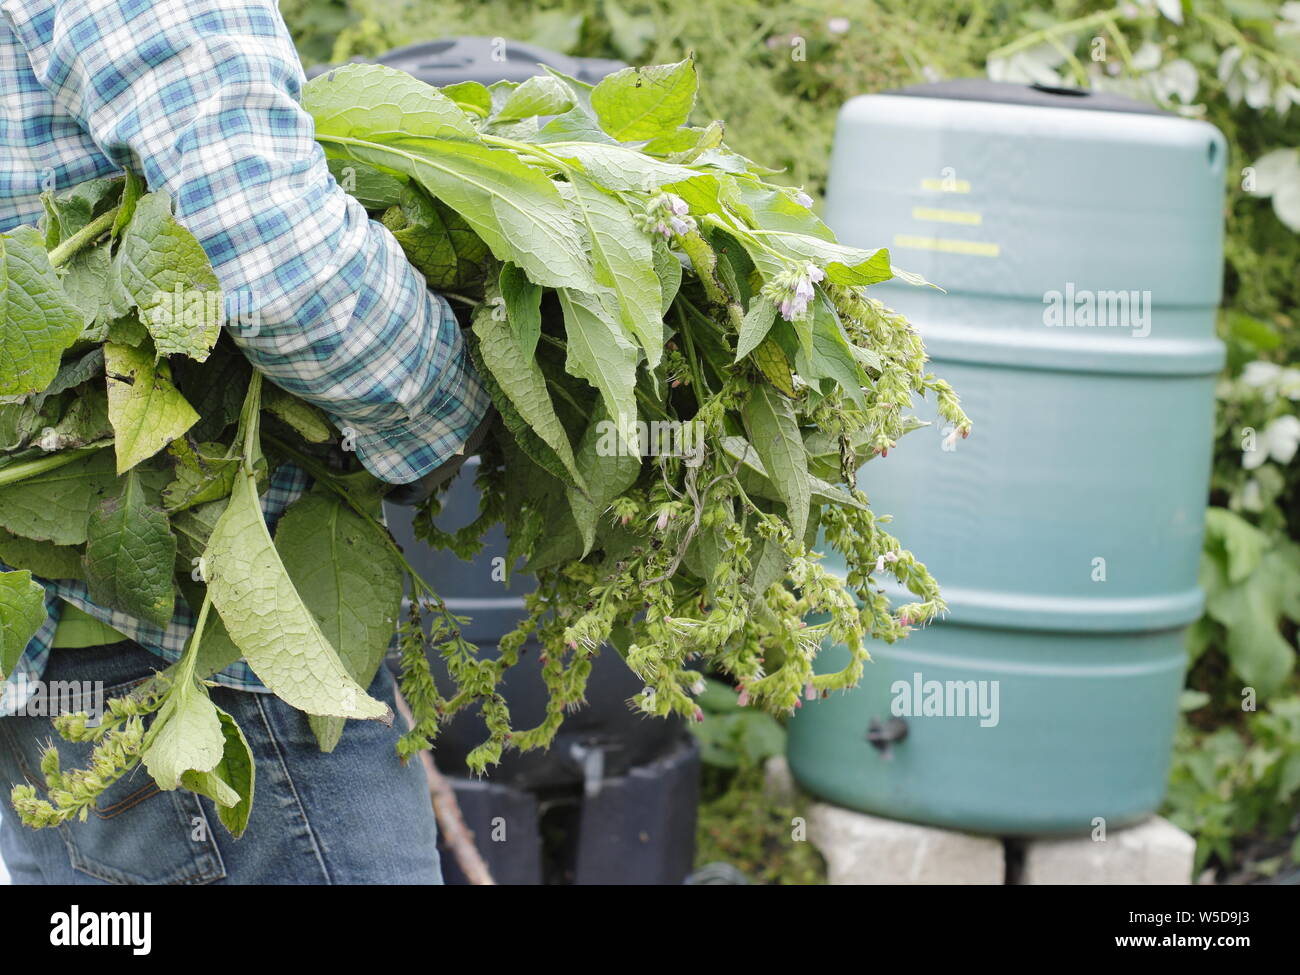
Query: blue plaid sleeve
[(201, 97)]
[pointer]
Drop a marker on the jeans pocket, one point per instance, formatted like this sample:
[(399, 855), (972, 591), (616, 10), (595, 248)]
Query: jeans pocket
[(141, 835), (136, 833)]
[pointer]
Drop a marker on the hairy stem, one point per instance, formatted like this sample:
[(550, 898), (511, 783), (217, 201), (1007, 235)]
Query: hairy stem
[(82, 237)]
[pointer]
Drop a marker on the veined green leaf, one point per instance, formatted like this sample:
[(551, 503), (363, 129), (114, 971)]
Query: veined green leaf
[(388, 119), (86, 279), (755, 325), (372, 188), (599, 353), (22, 611), (623, 169), (669, 272), (38, 320), (522, 382), (539, 95), (774, 433), (625, 263), (267, 619), (237, 771), (844, 265), (185, 736), (645, 103), (575, 125), (831, 355), (523, 308), (349, 579), (43, 559), (773, 208), (774, 365), (146, 410), (472, 96), (54, 506), (164, 269), (130, 552), (437, 240), (309, 421)]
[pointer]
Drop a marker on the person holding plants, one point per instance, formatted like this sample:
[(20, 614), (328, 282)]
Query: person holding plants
[(200, 99)]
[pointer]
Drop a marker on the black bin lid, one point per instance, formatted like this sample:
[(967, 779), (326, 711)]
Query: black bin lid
[(451, 60), (1040, 96)]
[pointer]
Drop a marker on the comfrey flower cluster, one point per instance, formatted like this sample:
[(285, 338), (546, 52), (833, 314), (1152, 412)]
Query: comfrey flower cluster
[(668, 214), (792, 291)]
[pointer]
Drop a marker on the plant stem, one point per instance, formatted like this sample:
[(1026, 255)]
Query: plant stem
[(83, 236), (30, 468)]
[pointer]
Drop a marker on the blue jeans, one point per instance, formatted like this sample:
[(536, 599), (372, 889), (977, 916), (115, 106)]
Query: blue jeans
[(354, 816)]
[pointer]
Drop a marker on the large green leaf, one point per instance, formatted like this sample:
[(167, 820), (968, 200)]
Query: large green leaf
[(232, 779), (623, 169), (43, 559), (130, 552), (539, 95), (599, 352), (204, 472), (774, 432), (830, 356), (167, 274), (523, 301), (38, 320), (373, 189), (388, 119), (349, 579), (850, 266), (437, 240), (625, 263), (521, 380), (669, 272), (645, 103), (185, 736), (22, 611), (267, 619), (54, 506), (87, 276), (146, 410), (755, 325)]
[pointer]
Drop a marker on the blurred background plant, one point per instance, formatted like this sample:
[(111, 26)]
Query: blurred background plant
[(778, 72)]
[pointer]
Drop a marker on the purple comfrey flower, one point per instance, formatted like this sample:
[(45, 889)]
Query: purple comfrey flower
[(682, 225), (803, 199), (801, 292), (677, 205)]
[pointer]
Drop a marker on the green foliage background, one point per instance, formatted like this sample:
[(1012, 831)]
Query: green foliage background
[(778, 71)]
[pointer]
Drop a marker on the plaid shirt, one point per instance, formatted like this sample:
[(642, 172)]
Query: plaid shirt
[(201, 97)]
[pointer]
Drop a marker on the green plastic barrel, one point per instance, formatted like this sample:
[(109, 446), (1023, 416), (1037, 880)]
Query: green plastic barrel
[(1078, 240)]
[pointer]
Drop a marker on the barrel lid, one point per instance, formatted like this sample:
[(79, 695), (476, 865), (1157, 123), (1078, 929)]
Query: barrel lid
[(488, 59), (1039, 96)]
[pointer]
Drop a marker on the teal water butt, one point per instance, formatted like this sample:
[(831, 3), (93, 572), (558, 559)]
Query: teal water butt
[(1078, 240)]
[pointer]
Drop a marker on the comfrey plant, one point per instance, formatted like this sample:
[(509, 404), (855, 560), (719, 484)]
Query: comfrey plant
[(619, 270)]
